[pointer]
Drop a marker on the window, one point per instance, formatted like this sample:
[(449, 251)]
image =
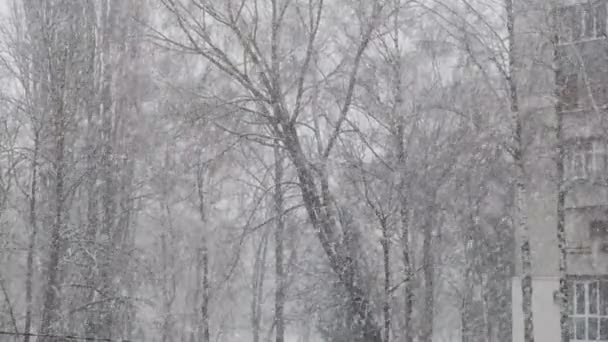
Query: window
[(594, 19), (599, 229), (579, 162), (582, 21), (589, 21), (599, 85), (570, 20), (587, 160), (598, 159), (588, 310), (579, 165), (599, 9), (568, 91)]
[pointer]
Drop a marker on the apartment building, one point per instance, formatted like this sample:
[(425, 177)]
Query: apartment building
[(575, 72)]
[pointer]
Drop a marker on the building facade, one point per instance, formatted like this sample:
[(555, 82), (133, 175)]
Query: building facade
[(573, 71)]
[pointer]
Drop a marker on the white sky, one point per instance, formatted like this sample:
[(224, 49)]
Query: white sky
[(4, 6)]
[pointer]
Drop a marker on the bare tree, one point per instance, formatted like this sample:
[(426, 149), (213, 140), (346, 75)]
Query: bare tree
[(280, 278), (517, 147), (203, 255), (314, 181)]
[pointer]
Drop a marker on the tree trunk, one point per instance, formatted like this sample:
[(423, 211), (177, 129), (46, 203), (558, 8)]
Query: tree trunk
[(109, 234), (324, 224), (399, 137), (464, 326), (205, 302), (197, 332), (204, 256), (201, 307), (526, 278), (318, 201), (49, 68), (91, 320), (429, 275), (51, 301), (279, 297), (31, 248), (386, 305), (166, 330), (408, 295), (520, 185), (32, 80), (168, 264), (487, 323), (259, 272), (561, 213)]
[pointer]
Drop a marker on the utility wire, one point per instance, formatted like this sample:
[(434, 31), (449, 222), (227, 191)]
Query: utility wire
[(64, 337)]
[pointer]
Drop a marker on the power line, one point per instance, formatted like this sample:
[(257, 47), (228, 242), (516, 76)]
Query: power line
[(64, 337)]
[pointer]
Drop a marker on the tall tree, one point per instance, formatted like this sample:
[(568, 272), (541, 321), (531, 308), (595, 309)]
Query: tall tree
[(267, 87), (59, 39), (280, 278), (203, 254), (517, 148)]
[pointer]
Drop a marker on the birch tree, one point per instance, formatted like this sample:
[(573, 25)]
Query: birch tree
[(266, 86)]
